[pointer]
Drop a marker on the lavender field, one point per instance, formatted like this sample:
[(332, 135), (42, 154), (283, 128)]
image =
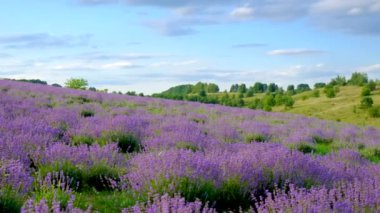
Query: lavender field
[(66, 150)]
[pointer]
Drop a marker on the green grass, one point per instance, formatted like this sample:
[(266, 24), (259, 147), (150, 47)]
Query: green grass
[(107, 201), (371, 154), (345, 107)]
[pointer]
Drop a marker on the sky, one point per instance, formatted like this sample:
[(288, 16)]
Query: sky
[(151, 45)]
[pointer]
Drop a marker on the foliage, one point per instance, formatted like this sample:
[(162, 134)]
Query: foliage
[(358, 79), (371, 85), (10, 201), (127, 142), (329, 91), (56, 85), (303, 88), (366, 102), (33, 81), (291, 90), (338, 81), (374, 111), (76, 83), (319, 85), (259, 87), (366, 91), (316, 93)]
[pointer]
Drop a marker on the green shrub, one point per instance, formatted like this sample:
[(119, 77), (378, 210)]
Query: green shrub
[(320, 140), (330, 92), (229, 196), (366, 102), (306, 148), (82, 139), (233, 195), (10, 201), (255, 138), (50, 192), (316, 93), (372, 85), (98, 176), (87, 113), (127, 142), (76, 173), (187, 146), (374, 112), (366, 91), (371, 154)]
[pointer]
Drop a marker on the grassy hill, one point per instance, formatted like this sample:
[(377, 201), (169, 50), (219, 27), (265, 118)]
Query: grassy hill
[(345, 107)]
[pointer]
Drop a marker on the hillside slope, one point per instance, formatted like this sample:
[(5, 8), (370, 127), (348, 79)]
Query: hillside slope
[(345, 107)]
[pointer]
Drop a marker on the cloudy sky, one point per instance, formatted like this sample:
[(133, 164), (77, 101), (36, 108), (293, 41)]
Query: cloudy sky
[(150, 45)]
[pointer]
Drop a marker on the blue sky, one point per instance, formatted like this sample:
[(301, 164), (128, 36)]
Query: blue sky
[(151, 45)]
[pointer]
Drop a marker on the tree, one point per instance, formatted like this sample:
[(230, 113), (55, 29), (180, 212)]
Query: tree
[(76, 83), (202, 93), (242, 88), (303, 88), (316, 93), (374, 112), (212, 88), (358, 79), (372, 85), (366, 91), (330, 91), (338, 81), (92, 89), (259, 87), (272, 87), (198, 87), (319, 85), (34, 81), (234, 88), (366, 102), (56, 85), (131, 93), (291, 90), (288, 101), (250, 92)]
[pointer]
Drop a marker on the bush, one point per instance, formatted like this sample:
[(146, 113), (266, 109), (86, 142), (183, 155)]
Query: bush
[(229, 196), (316, 93), (99, 176), (306, 148), (320, 140), (330, 92), (372, 85), (374, 112), (76, 83), (96, 176), (75, 173), (366, 91), (187, 146), (10, 201), (256, 138), (371, 154), (87, 113), (53, 187), (82, 139), (366, 102), (288, 101), (127, 142)]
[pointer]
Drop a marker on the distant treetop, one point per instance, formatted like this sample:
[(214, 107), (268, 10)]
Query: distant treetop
[(76, 83)]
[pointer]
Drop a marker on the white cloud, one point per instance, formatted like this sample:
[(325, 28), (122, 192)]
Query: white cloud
[(243, 13), (370, 68), (291, 52), (119, 65)]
